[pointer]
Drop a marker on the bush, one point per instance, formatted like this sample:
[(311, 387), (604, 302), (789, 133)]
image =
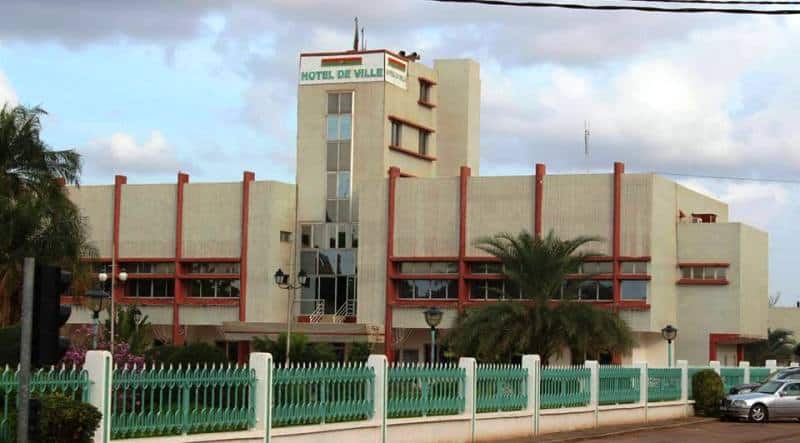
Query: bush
[(359, 352), (10, 338), (708, 391), (62, 420), (302, 351), (190, 354)]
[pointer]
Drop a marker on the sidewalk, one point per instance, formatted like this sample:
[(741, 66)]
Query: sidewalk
[(611, 431)]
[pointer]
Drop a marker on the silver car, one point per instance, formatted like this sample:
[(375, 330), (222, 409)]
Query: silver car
[(774, 399)]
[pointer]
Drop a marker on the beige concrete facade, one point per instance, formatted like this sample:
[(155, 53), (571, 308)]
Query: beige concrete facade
[(217, 245)]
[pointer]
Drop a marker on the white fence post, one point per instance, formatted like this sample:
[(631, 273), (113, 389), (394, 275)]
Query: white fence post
[(684, 366), (746, 366), (643, 384), (261, 363), (715, 366), (594, 387), (772, 365), (533, 364), (470, 390), (794, 364), (379, 366), (100, 369)]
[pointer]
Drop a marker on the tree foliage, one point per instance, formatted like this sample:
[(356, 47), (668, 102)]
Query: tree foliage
[(131, 327), (779, 345), (302, 350), (37, 219), (539, 266)]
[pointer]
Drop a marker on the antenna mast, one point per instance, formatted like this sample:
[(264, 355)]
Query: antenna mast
[(586, 134)]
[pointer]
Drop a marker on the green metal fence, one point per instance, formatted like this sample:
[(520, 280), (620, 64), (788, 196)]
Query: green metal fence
[(322, 393), (619, 385), (663, 384), (759, 374), (71, 382), (501, 387), (564, 387), (691, 373), (731, 377), (423, 390), (168, 401)]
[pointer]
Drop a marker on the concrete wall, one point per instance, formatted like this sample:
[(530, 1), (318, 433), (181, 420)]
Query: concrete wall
[(96, 203), (372, 253), (212, 214), (753, 281), (785, 318), (663, 253), (575, 205), (147, 222), (426, 221), (458, 107), (487, 198)]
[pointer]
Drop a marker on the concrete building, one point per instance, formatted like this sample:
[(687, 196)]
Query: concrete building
[(384, 218)]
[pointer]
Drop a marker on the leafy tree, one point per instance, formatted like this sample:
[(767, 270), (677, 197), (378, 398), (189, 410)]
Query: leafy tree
[(302, 350), (37, 219), (188, 355), (539, 266), (359, 352), (779, 345), (131, 327)]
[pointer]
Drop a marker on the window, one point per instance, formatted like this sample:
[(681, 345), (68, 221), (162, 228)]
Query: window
[(150, 288), (305, 236), (486, 268), (397, 129), (423, 142), (286, 236), (428, 268), (704, 272), (213, 288), (590, 290), (633, 290), (600, 267), (213, 268), (426, 289), (493, 290), (424, 92), (632, 267), (149, 268)]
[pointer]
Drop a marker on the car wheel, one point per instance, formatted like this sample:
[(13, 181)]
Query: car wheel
[(758, 413)]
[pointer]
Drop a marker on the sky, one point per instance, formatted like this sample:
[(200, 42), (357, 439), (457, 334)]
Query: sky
[(208, 87)]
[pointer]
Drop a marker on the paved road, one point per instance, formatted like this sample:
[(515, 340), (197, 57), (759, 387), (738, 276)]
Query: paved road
[(711, 432)]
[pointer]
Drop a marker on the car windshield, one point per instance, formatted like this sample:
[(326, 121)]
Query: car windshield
[(769, 388)]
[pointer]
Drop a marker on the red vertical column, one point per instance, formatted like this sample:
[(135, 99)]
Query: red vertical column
[(619, 169), (178, 298), (541, 171), (119, 180), (462, 237), (247, 180), (388, 336)]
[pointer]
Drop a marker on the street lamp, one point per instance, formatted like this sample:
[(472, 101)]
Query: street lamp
[(96, 301), (282, 280), (103, 277), (433, 316), (669, 333)]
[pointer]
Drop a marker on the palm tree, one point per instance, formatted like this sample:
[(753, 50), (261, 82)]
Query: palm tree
[(779, 345), (539, 266), (36, 216)]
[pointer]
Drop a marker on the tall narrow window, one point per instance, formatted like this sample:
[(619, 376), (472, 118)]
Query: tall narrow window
[(423, 142), (424, 92), (397, 129)]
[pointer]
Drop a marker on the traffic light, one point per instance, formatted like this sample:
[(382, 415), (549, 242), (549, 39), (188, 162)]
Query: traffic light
[(47, 347)]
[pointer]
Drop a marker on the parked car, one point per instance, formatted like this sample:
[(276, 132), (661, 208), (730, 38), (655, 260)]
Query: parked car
[(783, 374), (773, 399)]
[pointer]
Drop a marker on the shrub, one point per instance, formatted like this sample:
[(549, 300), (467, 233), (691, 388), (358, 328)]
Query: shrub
[(9, 345), (302, 351), (62, 420), (190, 354), (359, 352), (708, 391)]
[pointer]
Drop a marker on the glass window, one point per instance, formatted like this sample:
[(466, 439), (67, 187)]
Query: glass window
[(605, 290), (343, 189), (477, 268), (633, 290), (333, 103), (422, 288), (347, 262), (341, 236), (494, 289), (286, 236), (305, 236), (424, 92), (587, 290), (345, 103), (397, 129), (308, 262), (344, 156), (344, 210), (333, 127), (355, 236), (570, 290), (331, 185), (308, 296), (330, 211), (494, 268), (444, 268), (332, 156), (405, 289), (326, 264), (344, 127), (423, 142), (686, 272), (722, 273), (331, 229), (327, 293), (632, 267), (415, 268), (477, 289), (439, 288), (319, 236)]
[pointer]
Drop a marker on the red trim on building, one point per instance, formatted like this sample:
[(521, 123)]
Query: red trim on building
[(427, 80), (210, 301), (541, 171), (242, 352), (428, 105), (406, 122), (210, 276), (412, 153), (702, 282), (465, 173), (119, 180), (424, 259), (715, 339), (619, 169), (342, 59), (425, 277), (704, 265), (210, 259), (247, 179), (388, 335), (371, 51), (446, 303), (177, 338)]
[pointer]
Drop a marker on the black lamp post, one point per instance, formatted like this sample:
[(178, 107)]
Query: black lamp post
[(433, 316), (96, 301), (669, 333), (282, 280)]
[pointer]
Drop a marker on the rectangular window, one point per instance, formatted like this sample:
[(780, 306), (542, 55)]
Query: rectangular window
[(333, 103), (344, 210), (344, 156), (423, 142), (486, 268), (605, 290), (345, 127), (286, 236), (593, 268), (331, 185), (212, 268), (148, 268), (305, 236), (319, 236), (330, 211), (355, 236), (428, 268), (632, 267), (397, 129), (343, 188), (424, 92), (426, 289), (308, 262), (686, 273), (150, 288), (332, 156), (332, 128), (633, 290)]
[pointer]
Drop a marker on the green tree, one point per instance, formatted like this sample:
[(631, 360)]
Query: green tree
[(37, 219), (131, 327), (539, 266), (779, 345), (302, 351)]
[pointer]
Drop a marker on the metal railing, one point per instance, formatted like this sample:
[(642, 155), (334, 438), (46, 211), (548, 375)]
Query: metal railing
[(564, 387), (619, 385), (501, 387), (318, 313), (759, 374), (347, 309), (322, 393), (731, 377), (418, 390), (152, 401), (663, 384)]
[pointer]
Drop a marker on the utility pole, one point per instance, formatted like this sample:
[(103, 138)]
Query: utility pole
[(25, 350)]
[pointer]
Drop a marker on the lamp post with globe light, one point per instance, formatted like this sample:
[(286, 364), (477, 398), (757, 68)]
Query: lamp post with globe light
[(669, 333), (103, 277), (282, 280), (96, 301), (433, 316)]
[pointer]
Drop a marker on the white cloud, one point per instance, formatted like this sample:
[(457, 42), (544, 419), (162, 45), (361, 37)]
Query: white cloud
[(754, 203), (7, 93), (123, 154)]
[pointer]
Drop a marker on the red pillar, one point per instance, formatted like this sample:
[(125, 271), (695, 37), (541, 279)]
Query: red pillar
[(538, 196), (177, 300), (388, 335), (462, 237), (119, 180), (619, 169), (247, 179)]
